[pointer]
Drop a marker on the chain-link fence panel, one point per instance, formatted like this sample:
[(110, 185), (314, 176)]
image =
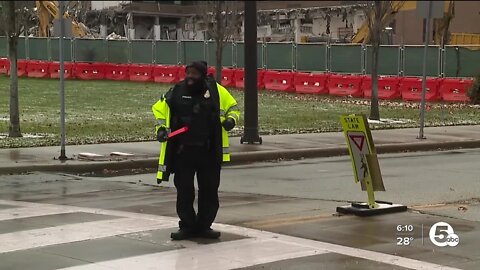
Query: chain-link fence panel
[(280, 56), (3, 47), (388, 60), (462, 61), (22, 48), (413, 60), (90, 50), (311, 57), (240, 55), (193, 51), (55, 49), (166, 52), (345, 58), (141, 51), (227, 54), (38, 48), (118, 51)]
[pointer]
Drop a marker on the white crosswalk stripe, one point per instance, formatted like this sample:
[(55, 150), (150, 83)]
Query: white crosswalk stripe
[(259, 247)]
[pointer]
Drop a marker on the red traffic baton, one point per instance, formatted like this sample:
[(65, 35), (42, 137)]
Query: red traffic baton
[(177, 132)]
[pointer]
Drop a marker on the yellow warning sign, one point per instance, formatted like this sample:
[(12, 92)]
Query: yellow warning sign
[(362, 152), (360, 143)]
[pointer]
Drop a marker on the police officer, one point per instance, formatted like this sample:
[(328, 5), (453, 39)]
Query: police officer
[(207, 111)]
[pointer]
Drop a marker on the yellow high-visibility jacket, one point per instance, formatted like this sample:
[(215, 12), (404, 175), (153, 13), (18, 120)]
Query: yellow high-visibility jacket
[(227, 108)]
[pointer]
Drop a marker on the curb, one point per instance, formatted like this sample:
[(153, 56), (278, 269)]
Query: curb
[(238, 158)]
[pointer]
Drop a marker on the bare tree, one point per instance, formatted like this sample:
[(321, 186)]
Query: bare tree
[(14, 16), (223, 23), (442, 26), (378, 14)]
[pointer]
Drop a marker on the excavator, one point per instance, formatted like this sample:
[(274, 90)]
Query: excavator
[(48, 9), (362, 36)]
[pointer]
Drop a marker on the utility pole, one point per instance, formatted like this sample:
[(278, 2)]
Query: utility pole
[(250, 133), (62, 82)]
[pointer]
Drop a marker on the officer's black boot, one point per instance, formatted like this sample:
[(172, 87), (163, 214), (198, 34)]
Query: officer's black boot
[(209, 233), (182, 234)]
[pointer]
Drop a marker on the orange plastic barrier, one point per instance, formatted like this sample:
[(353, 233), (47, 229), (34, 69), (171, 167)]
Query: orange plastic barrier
[(388, 87), (140, 73), (454, 89), (166, 74), (4, 65), (310, 83), (54, 70), (90, 71), (116, 72), (411, 89), (38, 69), (279, 81), (239, 78), (345, 85)]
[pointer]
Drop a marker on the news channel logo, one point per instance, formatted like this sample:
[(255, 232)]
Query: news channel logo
[(442, 235)]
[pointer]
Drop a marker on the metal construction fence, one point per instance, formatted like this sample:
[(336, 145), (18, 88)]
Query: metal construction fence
[(451, 61)]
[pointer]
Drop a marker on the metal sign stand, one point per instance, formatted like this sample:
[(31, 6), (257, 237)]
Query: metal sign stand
[(366, 168)]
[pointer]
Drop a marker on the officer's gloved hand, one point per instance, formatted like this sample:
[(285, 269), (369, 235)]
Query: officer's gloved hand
[(228, 124), (162, 134)]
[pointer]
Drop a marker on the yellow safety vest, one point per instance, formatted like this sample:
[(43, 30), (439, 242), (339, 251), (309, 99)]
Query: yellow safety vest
[(161, 111)]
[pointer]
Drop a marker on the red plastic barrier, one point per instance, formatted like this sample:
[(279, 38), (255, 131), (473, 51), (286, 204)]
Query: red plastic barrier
[(239, 78), (166, 74), (228, 77), (54, 70), (310, 83), (388, 87), (345, 85), (116, 72), (21, 68), (181, 73), (4, 65), (453, 89), (411, 89), (279, 81), (89, 71), (141, 73), (212, 71), (38, 69)]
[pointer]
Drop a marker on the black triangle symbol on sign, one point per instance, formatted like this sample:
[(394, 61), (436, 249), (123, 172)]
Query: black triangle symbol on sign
[(358, 140)]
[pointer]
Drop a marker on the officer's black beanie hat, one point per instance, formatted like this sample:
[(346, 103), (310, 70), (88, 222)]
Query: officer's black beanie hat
[(200, 66)]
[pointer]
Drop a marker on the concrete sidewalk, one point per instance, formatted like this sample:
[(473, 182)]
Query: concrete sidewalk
[(274, 147)]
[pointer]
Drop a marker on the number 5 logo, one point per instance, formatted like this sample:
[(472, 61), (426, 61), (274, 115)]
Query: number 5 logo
[(442, 235)]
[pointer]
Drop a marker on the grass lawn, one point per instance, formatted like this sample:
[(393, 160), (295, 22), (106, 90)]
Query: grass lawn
[(111, 111)]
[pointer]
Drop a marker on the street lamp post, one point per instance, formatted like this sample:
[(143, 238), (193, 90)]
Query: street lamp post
[(62, 83), (250, 133)]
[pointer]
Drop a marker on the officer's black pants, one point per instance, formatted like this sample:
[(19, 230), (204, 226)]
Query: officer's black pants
[(191, 160)]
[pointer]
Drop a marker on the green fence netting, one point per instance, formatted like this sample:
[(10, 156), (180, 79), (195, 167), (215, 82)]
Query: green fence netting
[(240, 55), (166, 52), (462, 61), (413, 61), (227, 54), (22, 48), (118, 51), (3, 47), (90, 50), (193, 51), (54, 49), (346, 58), (38, 49), (388, 61), (311, 57), (279, 56), (141, 51)]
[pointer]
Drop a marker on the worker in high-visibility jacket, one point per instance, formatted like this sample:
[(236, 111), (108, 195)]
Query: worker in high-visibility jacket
[(202, 112)]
